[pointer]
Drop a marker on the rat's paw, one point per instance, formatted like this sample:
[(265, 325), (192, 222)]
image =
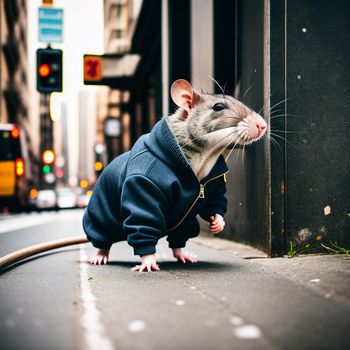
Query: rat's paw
[(184, 256), (217, 223), (100, 259), (145, 268), (187, 257), (149, 264)]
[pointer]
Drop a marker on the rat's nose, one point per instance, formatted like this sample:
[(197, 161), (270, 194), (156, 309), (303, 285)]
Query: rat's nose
[(261, 127)]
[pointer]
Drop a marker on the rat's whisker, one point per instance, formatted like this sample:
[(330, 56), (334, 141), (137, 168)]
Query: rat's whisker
[(265, 103), (247, 91), (288, 132), (275, 105), (225, 86), (223, 91), (283, 115), (276, 110), (279, 136), (284, 139), (223, 94), (276, 143), (243, 155), (233, 145)]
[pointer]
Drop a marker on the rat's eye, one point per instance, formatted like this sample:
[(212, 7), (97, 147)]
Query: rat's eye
[(219, 106)]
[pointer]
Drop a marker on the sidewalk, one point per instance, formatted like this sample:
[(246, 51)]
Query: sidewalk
[(233, 298), (328, 275)]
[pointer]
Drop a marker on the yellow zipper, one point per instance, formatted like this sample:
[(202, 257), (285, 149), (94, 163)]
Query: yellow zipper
[(201, 191), (200, 195)]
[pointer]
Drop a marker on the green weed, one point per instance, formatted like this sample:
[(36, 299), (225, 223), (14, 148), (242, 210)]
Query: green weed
[(293, 250), (334, 248)]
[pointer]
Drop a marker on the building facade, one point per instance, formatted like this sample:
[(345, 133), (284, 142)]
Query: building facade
[(87, 132), (120, 20), (14, 92), (280, 58)]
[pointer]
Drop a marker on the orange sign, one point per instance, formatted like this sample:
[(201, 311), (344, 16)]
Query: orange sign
[(92, 68), (47, 2)]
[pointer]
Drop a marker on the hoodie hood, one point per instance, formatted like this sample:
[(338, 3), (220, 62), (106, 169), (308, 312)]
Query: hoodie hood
[(163, 144)]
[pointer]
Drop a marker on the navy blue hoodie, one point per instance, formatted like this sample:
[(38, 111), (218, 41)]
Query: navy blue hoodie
[(151, 192)]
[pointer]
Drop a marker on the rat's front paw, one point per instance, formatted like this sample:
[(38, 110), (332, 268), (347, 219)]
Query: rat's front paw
[(217, 223), (149, 264), (184, 257), (101, 258)]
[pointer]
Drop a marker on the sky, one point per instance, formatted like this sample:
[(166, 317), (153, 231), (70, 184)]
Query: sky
[(83, 33)]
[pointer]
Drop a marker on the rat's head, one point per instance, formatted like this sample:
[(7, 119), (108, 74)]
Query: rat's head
[(215, 119)]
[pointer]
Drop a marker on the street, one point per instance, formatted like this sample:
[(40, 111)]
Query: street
[(58, 301)]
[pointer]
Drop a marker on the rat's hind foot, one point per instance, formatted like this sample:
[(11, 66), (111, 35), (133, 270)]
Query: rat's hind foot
[(101, 258), (184, 256)]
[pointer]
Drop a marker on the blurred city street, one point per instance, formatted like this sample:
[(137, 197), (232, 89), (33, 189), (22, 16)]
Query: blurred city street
[(228, 300)]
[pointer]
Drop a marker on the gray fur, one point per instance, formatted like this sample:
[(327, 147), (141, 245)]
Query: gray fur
[(204, 134)]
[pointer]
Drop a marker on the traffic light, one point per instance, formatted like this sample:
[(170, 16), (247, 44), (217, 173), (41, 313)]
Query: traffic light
[(46, 169), (49, 70), (48, 157)]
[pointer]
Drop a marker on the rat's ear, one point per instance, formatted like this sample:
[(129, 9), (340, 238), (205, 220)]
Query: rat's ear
[(183, 94)]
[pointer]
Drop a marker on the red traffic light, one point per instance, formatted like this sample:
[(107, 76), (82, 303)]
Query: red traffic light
[(49, 70), (48, 157), (44, 70), (15, 133)]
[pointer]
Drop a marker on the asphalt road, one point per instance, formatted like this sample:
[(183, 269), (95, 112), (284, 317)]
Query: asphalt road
[(58, 301)]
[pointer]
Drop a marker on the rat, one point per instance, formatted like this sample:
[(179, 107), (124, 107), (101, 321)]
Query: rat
[(170, 176)]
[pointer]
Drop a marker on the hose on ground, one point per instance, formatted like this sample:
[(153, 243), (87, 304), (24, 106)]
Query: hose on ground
[(24, 253)]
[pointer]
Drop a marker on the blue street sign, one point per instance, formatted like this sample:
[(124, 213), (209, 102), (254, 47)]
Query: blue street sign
[(50, 25)]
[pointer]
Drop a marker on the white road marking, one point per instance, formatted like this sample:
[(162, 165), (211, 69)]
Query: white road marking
[(94, 330), (248, 331), (316, 280), (180, 302), (136, 326), (30, 220)]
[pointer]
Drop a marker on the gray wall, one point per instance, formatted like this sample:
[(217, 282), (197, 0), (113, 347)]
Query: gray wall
[(247, 190), (318, 91), (295, 53)]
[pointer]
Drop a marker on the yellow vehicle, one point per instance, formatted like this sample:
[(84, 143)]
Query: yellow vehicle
[(14, 167)]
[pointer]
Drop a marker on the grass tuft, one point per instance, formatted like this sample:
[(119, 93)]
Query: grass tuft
[(334, 248)]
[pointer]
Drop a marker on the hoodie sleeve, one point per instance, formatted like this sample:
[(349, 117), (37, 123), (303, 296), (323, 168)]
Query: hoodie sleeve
[(143, 205), (217, 202), (189, 229)]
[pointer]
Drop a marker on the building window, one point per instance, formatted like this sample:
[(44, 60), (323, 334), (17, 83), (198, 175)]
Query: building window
[(117, 34), (119, 10)]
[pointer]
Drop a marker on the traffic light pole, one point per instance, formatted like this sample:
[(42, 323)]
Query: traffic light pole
[(46, 134)]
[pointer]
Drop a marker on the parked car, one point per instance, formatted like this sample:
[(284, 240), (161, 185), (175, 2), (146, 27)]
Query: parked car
[(46, 199), (66, 198)]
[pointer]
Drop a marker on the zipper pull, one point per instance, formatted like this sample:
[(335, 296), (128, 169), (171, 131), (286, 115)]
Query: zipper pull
[(201, 191)]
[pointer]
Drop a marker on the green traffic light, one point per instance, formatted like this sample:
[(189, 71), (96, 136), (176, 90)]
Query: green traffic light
[(46, 169)]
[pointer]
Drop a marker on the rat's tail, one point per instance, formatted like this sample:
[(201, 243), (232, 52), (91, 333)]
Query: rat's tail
[(24, 253)]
